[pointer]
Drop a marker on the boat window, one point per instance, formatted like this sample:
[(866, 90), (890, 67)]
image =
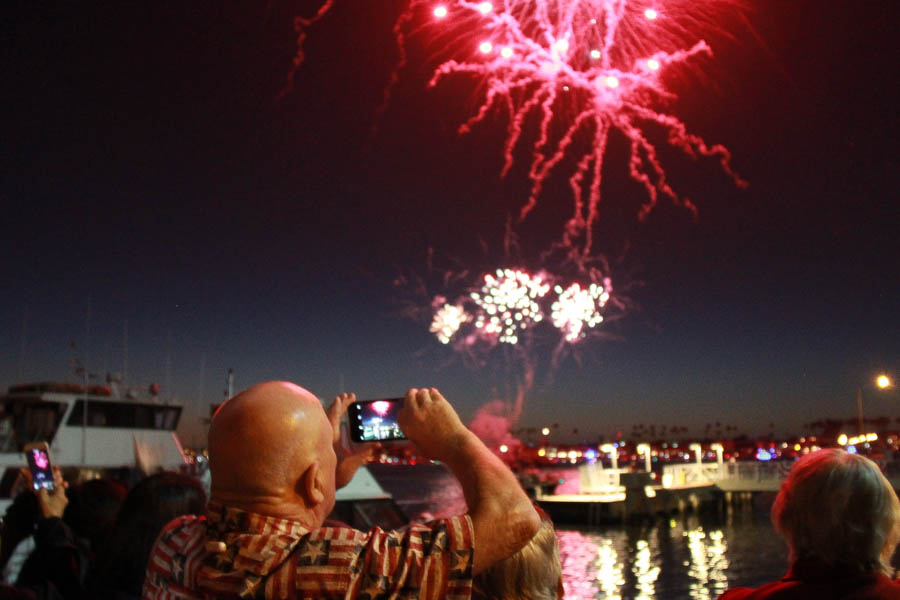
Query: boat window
[(23, 421), (125, 414)]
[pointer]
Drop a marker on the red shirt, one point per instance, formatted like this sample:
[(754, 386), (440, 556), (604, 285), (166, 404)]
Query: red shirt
[(265, 557), (813, 580)]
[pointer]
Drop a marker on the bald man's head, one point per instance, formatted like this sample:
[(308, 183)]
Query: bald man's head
[(270, 451)]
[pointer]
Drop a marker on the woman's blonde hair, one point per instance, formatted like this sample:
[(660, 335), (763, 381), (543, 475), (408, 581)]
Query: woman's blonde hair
[(532, 573), (839, 508)]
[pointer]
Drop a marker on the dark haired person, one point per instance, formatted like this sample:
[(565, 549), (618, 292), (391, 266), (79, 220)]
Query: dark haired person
[(59, 560), (274, 474), (153, 502), (841, 520), (17, 534), (91, 511)]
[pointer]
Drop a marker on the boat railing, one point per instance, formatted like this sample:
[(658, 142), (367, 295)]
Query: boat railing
[(743, 475)]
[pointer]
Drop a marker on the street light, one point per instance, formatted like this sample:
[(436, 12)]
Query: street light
[(719, 450), (883, 382), (645, 450), (613, 454), (697, 449)]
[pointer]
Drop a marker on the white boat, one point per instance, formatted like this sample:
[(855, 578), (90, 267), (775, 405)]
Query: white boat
[(115, 436), (112, 434)]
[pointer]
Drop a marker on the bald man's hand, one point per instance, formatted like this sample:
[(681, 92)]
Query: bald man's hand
[(348, 460), (429, 422)]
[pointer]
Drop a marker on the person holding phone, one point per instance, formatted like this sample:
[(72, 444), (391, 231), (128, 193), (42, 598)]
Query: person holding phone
[(276, 461), (58, 561)]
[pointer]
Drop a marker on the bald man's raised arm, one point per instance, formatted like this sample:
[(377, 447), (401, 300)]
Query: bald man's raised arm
[(502, 515)]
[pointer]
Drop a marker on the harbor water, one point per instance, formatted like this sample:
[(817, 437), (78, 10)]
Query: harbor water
[(678, 557)]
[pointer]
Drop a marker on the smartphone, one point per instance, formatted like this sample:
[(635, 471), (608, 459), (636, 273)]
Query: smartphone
[(38, 456), (375, 420)]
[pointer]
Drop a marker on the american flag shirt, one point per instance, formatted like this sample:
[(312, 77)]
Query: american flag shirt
[(232, 553)]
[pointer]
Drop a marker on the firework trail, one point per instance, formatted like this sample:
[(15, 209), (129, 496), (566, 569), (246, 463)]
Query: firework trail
[(301, 25), (567, 73)]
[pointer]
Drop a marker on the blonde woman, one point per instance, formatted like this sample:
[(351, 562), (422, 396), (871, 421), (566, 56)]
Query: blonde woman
[(533, 573), (841, 520)]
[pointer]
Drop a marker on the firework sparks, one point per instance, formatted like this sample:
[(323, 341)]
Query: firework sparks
[(577, 308), (580, 69), (447, 321), (511, 301)]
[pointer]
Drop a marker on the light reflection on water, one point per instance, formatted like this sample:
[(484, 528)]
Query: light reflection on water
[(680, 558), (668, 560)]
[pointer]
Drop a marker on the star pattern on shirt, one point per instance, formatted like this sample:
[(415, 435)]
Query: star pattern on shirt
[(224, 560), (178, 561), (250, 587), (435, 539), (461, 564), (379, 566), (374, 587), (314, 552)]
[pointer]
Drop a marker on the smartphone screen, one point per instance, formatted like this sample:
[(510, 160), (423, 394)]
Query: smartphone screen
[(375, 420), (41, 471)]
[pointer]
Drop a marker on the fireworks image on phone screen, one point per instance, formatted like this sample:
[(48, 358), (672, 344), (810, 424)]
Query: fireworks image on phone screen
[(41, 473), (377, 421)]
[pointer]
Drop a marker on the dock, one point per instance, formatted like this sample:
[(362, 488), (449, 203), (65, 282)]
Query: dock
[(609, 495)]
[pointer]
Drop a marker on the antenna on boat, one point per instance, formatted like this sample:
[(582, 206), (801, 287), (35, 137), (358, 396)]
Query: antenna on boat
[(200, 390), (114, 380), (168, 366), (84, 411), (125, 352), (22, 348), (229, 384)]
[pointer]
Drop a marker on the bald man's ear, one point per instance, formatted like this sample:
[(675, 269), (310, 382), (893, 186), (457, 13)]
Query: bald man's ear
[(313, 485)]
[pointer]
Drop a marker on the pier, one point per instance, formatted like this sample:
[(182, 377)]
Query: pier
[(612, 494), (620, 494)]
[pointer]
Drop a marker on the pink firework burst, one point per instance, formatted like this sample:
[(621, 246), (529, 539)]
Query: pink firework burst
[(381, 407), (580, 69), (40, 459)]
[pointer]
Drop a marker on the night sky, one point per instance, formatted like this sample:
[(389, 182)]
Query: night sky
[(151, 179)]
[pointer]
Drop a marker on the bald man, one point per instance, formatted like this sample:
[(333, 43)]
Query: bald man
[(276, 460)]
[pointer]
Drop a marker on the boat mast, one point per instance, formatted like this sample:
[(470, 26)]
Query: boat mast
[(84, 370)]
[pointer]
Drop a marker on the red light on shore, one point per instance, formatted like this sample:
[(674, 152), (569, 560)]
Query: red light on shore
[(440, 11)]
